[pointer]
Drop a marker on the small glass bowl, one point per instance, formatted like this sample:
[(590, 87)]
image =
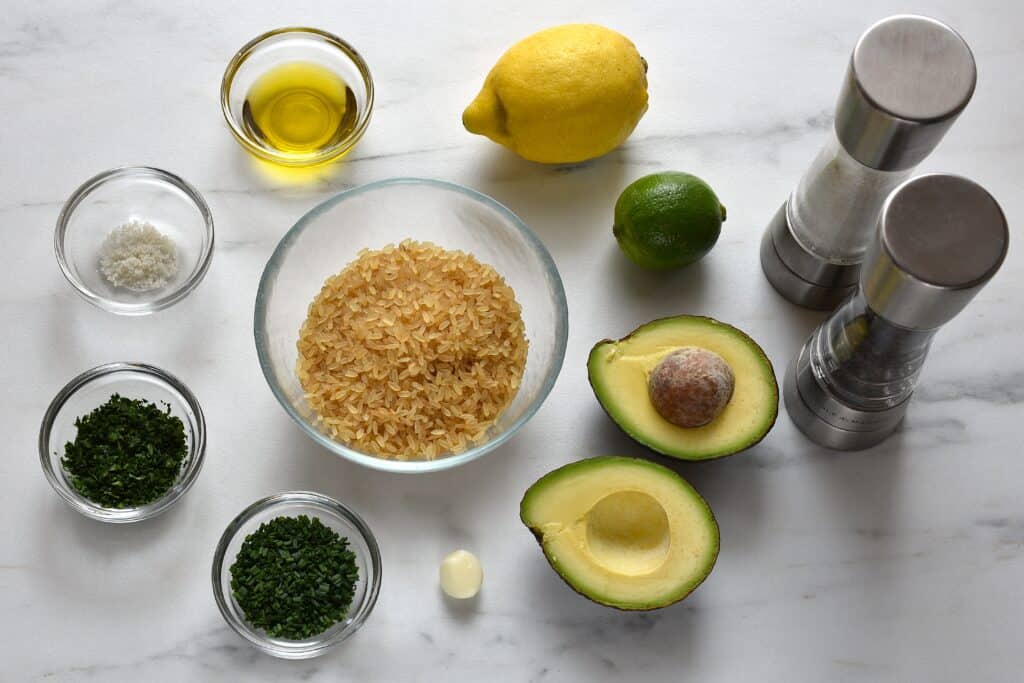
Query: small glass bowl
[(331, 235), (118, 196), (295, 44), (89, 391), (334, 515)]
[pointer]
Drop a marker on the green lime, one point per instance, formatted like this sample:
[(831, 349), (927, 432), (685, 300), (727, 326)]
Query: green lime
[(667, 220)]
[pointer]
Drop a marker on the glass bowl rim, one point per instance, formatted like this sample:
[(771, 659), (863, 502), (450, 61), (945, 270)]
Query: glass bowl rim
[(413, 466), (117, 173), (332, 507), (123, 515), (326, 154)]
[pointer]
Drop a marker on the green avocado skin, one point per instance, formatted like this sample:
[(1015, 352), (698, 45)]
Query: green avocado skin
[(667, 220), (556, 477)]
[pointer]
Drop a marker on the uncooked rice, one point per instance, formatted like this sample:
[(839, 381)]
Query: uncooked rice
[(412, 351)]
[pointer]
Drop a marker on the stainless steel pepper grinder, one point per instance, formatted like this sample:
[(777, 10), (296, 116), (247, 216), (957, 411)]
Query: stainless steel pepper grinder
[(940, 238), (908, 79)]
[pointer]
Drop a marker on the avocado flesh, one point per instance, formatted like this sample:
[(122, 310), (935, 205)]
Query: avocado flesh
[(618, 372), (623, 532)]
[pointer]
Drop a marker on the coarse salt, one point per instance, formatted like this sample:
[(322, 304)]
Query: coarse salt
[(138, 257)]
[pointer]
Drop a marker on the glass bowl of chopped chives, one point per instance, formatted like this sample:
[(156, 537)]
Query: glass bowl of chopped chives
[(122, 442), (296, 573), (134, 240)]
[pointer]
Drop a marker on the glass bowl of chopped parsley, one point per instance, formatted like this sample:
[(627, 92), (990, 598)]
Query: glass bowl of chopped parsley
[(296, 573), (122, 442), (134, 240)]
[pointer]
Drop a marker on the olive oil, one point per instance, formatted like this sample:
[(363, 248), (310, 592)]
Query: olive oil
[(300, 109)]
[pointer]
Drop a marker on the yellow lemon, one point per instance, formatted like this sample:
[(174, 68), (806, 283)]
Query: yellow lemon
[(563, 95)]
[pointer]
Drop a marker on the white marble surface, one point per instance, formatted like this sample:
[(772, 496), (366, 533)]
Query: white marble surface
[(904, 563)]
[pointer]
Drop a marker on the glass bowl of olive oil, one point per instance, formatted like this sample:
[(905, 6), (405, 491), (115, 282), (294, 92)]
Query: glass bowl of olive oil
[(297, 96)]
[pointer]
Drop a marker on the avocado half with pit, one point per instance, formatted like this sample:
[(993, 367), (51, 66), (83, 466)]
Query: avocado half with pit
[(623, 532), (620, 373)]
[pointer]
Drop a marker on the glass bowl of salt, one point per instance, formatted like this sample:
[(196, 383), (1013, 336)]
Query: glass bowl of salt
[(134, 240)]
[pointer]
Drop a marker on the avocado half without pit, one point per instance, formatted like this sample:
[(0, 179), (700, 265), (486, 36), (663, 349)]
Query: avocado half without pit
[(623, 532), (688, 387)]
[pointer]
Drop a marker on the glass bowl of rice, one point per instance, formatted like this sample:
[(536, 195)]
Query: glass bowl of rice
[(410, 325)]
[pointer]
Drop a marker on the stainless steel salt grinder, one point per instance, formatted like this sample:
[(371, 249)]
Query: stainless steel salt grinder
[(908, 79), (940, 238)]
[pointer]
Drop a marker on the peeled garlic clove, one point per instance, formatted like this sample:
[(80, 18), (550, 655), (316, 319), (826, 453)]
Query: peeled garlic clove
[(461, 575)]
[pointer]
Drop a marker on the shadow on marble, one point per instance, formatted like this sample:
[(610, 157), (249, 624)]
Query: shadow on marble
[(791, 326), (604, 636), (76, 550), (434, 497), (600, 436), (861, 507), (863, 486), (462, 611), (562, 204), (739, 497), (645, 290)]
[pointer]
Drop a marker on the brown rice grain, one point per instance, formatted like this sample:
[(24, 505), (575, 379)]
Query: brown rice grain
[(412, 351)]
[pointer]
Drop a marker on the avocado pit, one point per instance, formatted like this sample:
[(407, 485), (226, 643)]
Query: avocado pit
[(691, 386)]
